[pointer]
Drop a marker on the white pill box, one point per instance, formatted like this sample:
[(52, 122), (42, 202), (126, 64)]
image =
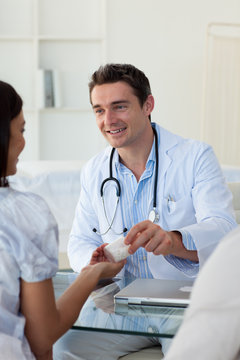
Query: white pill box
[(117, 250)]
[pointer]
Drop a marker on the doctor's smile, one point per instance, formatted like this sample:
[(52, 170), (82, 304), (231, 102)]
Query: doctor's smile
[(113, 132)]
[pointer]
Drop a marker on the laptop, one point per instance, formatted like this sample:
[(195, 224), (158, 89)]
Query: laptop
[(155, 292)]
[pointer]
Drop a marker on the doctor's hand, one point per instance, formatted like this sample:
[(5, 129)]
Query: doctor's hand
[(156, 240)]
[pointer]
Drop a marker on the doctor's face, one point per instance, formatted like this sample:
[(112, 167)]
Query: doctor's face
[(119, 115)]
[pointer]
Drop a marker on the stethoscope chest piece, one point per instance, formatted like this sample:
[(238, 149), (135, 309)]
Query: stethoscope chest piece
[(154, 216)]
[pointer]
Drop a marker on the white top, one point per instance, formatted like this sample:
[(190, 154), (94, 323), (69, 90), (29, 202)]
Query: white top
[(28, 250), (211, 328)]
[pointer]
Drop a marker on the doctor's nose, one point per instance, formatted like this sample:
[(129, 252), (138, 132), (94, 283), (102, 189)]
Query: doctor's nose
[(109, 117)]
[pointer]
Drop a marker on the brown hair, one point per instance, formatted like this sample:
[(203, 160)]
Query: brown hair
[(111, 73)]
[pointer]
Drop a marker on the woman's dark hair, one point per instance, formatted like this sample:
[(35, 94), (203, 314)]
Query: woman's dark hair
[(10, 107), (111, 73)]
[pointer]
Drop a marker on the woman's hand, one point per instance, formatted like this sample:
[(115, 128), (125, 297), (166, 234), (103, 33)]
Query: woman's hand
[(104, 269), (98, 255), (101, 265), (109, 269)]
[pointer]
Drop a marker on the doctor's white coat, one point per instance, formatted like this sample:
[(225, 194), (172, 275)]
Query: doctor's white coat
[(189, 173)]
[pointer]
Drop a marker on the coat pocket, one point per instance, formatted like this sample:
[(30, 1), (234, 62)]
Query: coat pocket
[(179, 213)]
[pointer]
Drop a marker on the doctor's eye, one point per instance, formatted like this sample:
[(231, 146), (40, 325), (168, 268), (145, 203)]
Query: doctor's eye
[(119, 107), (98, 111)]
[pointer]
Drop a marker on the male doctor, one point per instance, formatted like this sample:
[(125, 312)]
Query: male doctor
[(166, 194)]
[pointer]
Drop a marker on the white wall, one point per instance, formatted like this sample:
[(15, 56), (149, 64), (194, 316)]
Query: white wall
[(166, 39)]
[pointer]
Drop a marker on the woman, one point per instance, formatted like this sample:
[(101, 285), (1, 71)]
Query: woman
[(29, 314)]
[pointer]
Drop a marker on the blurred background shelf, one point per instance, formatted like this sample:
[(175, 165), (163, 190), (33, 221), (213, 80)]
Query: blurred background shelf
[(70, 44)]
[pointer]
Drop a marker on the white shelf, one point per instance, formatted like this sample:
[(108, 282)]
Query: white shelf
[(71, 18), (67, 37), (16, 38), (62, 38)]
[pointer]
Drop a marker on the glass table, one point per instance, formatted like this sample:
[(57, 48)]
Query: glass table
[(99, 313)]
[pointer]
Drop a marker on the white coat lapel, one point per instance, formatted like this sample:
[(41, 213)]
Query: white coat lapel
[(167, 141)]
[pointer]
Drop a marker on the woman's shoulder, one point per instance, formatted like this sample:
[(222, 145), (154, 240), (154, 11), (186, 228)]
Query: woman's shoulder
[(18, 205), (30, 231), (27, 214)]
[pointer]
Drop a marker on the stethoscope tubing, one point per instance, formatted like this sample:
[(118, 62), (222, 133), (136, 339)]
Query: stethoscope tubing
[(156, 169), (118, 190)]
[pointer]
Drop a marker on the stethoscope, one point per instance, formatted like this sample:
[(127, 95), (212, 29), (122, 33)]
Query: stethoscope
[(153, 214)]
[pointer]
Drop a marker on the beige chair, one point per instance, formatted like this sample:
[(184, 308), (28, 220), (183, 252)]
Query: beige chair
[(63, 262), (235, 189)]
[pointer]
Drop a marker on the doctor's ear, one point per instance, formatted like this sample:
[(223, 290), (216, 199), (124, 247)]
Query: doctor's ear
[(148, 106)]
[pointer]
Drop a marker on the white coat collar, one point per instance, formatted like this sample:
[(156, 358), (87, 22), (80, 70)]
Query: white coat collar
[(166, 142)]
